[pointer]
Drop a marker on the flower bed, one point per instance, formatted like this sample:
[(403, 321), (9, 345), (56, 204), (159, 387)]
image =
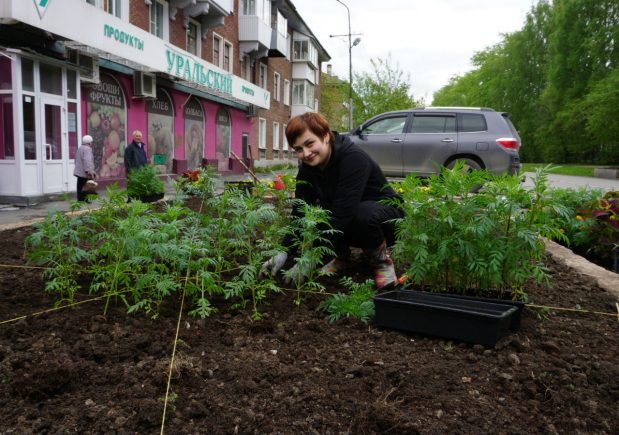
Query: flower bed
[(78, 370), (98, 370)]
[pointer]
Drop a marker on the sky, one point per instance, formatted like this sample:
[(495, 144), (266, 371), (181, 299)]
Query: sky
[(430, 40)]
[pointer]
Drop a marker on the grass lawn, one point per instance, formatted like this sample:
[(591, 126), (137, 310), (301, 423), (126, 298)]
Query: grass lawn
[(581, 170)]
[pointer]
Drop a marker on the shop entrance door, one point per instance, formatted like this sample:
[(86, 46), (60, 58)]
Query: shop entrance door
[(54, 150)]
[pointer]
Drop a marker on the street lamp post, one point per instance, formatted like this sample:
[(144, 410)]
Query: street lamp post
[(351, 44)]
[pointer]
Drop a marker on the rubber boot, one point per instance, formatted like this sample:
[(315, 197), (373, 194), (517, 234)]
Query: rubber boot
[(382, 265)]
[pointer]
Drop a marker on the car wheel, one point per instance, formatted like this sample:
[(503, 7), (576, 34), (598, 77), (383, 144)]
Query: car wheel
[(469, 166)]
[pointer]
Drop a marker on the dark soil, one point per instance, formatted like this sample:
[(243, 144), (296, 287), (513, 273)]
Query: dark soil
[(76, 370)]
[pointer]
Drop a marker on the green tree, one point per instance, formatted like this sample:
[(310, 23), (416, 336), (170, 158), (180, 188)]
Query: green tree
[(382, 90), (333, 101), (582, 51), (601, 113), (557, 77)]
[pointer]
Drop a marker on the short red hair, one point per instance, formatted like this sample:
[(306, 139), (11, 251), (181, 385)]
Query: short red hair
[(312, 121)]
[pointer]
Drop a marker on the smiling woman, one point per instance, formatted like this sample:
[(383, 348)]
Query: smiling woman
[(341, 178)]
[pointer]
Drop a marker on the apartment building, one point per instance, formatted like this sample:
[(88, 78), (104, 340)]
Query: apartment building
[(202, 80)]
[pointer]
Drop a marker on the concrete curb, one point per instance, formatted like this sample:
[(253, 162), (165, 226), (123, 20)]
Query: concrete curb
[(606, 279)]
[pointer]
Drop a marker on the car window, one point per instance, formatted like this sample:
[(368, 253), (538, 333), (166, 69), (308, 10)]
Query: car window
[(390, 125), (472, 122), (434, 124)]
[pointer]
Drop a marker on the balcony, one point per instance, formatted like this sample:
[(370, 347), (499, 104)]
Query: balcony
[(254, 36), (210, 13), (279, 45), (303, 71)]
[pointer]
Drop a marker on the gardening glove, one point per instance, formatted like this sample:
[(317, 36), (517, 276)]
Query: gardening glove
[(295, 276), (335, 266), (272, 266)]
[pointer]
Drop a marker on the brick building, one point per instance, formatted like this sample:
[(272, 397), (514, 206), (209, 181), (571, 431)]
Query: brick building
[(202, 79)]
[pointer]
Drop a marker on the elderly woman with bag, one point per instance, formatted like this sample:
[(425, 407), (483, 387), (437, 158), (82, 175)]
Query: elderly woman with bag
[(84, 168)]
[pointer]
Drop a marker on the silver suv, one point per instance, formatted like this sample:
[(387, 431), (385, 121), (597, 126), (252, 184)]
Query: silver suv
[(424, 139)]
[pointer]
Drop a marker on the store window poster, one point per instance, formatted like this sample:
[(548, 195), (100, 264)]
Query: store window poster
[(106, 121)]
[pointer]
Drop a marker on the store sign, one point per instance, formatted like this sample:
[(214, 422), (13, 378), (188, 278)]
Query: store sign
[(41, 6), (187, 69), (123, 37), (107, 93), (193, 110), (109, 35)]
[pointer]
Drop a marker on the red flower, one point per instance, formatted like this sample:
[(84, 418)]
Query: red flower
[(278, 183)]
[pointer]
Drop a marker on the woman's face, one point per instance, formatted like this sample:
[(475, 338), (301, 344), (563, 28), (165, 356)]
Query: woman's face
[(312, 150)]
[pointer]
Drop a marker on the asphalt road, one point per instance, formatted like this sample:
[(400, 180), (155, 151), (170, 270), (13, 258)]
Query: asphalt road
[(573, 182)]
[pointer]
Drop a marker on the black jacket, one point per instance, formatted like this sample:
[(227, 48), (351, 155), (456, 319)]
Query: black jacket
[(350, 177), (135, 156)]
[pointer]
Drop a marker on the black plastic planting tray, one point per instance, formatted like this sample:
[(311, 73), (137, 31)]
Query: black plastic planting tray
[(448, 316)]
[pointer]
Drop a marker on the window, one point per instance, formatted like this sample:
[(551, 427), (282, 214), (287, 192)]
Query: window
[(248, 7), (303, 93), (6, 78), (287, 92), (304, 50), (276, 86), (217, 41), (390, 125), (266, 11), (222, 53), (300, 50), (27, 74), (194, 133), (71, 84), (112, 7), (284, 139), (7, 139), (263, 76), (30, 144), (260, 8), (282, 24), (193, 38), (227, 62), (275, 136), (72, 129), (51, 79), (158, 13), (470, 122), (222, 138), (434, 124), (262, 133), (246, 68)]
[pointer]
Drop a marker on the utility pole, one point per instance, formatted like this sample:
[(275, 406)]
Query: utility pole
[(350, 46)]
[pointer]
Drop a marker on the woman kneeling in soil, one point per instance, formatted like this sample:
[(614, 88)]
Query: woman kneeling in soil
[(340, 177)]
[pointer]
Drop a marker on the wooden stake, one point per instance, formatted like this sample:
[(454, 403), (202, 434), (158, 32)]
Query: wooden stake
[(245, 166)]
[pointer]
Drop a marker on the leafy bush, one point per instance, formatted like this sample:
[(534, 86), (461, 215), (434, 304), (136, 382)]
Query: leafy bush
[(452, 239), (144, 181)]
